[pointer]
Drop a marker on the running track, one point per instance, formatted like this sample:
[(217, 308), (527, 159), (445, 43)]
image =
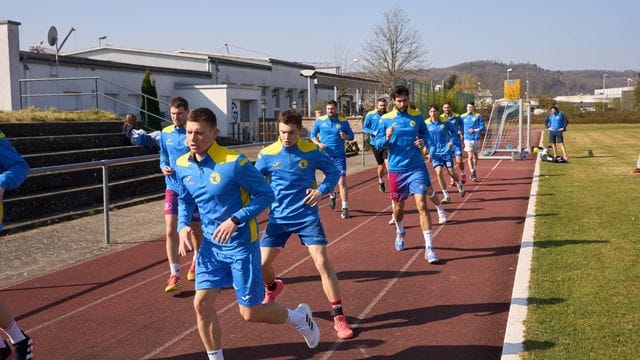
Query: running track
[(113, 307)]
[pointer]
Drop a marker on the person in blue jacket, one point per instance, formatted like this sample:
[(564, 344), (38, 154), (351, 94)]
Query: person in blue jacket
[(556, 124), (473, 124), (229, 193), (442, 137), (13, 171), (172, 145), (290, 166), (330, 132), (369, 127), (405, 136), (449, 115)]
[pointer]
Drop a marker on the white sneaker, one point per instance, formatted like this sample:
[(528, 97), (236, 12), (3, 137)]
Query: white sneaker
[(431, 256), (399, 243), (461, 190), (309, 329), (445, 199), (442, 215)]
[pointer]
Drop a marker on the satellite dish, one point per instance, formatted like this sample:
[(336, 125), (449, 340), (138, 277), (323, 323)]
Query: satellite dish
[(52, 37)]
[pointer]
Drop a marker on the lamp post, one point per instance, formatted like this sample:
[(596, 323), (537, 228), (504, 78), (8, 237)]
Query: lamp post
[(294, 105), (604, 89), (100, 40), (308, 74), (508, 71), (263, 106), (527, 90)]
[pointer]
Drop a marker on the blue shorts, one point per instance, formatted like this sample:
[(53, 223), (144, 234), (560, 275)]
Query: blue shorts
[(340, 162), (411, 182), (216, 269), (457, 150), (310, 233), (555, 137), (442, 160)]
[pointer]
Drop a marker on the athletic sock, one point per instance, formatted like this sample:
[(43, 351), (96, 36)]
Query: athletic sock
[(272, 286), (175, 269), (336, 308), (445, 193), (428, 242), (380, 181), (345, 204), (215, 355), (332, 195), (399, 227), (295, 318), (14, 332)]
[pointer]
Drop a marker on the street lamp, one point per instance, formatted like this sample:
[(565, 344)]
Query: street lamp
[(263, 106), (308, 74), (604, 89), (100, 40), (508, 71), (294, 105), (527, 90)]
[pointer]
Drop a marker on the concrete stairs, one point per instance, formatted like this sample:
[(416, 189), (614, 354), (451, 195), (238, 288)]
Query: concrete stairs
[(52, 197)]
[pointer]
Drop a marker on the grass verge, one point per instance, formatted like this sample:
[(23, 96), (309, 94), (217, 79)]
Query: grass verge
[(50, 115), (585, 280)]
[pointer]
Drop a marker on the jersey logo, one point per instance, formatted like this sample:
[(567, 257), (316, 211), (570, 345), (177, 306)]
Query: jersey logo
[(188, 180), (338, 126), (214, 178), (169, 141), (302, 164), (276, 165), (442, 126), (412, 123)]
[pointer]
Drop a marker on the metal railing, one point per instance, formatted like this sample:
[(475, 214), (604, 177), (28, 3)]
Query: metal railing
[(104, 164), (95, 92)]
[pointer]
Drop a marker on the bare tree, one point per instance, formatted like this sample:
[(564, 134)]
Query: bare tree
[(395, 49)]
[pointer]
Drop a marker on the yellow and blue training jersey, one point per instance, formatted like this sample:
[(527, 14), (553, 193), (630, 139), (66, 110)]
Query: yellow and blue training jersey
[(173, 144), (223, 184), (329, 131), (472, 121), (290, 171), (455, 119), (440, 134), (370, 125), (13, 169), (555, 122), (408, 126)]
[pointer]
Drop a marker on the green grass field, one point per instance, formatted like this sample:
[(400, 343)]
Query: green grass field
[(585, 281), (38, 115)]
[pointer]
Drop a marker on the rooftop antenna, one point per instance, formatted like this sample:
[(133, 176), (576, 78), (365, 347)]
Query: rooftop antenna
[(52, 38), (227, 47)]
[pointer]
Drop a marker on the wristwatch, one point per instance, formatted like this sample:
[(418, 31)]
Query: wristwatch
[(235, 220)]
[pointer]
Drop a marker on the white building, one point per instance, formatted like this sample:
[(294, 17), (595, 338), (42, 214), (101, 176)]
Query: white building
[(109, 78)]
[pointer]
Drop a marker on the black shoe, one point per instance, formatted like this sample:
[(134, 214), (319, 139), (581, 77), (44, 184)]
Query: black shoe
[(5, 352), (381, 186), (24, 348), (332, 201)]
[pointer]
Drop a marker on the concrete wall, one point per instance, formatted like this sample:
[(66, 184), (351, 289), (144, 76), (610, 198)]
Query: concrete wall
[(9, 65)]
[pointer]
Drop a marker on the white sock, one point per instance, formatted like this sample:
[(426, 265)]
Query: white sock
[(295, 318), (399, 227), (215, 355), (14, 333), (345, 204), (380, 181), (445, 193), (175, 269), (427, 239), (195, 254)]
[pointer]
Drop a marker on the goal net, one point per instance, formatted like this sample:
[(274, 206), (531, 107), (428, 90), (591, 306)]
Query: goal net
[(507, 130)]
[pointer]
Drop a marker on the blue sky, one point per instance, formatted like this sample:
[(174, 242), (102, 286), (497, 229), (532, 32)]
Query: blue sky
[(556, 35)]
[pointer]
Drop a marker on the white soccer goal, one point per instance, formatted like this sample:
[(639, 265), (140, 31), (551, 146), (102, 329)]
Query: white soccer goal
[(508, 131)]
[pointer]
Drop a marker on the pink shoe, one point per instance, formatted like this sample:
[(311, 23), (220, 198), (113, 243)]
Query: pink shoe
[(342, 327), (270, 296)]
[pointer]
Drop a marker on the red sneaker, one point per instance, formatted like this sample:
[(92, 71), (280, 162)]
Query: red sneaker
[(270, 296), (191, 275), (173, 283), (342, 327)]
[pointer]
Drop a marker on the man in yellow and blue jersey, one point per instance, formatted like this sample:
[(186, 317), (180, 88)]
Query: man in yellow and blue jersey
[(229, 193), (330, 132), (172, 145), (13, 171), (290, 166), (449, 115), (370, 127), (473, 125), (405, 136)]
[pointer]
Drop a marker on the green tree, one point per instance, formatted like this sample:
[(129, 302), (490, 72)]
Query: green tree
[(150, 104)]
